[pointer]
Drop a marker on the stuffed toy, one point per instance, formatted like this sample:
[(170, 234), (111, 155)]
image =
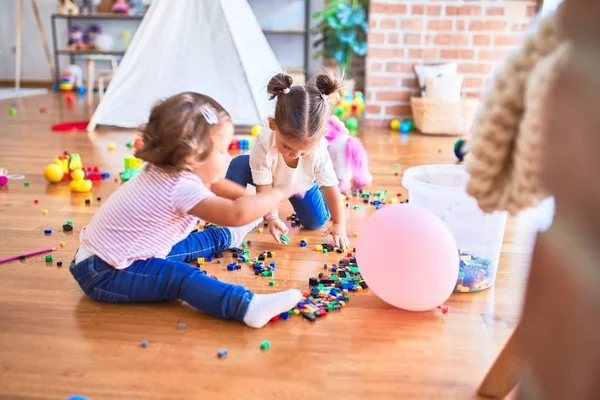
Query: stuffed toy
[(75, 38), (89, 6), (67, 7), (349, 157), (90, 35), (120, 7), (506, 146)]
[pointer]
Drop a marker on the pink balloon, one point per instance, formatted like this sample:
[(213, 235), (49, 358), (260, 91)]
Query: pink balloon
[(408, 257)]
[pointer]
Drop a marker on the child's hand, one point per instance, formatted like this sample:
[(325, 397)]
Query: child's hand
[(338, 232), (277, 228)]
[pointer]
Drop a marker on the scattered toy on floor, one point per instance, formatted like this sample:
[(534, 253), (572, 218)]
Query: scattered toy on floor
[(222, 353)]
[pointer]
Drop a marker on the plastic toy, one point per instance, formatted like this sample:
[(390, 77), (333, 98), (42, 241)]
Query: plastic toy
[(406, 126), (133, 167), (138, 143), (350, 108), (53, 173), (71, 126), (424, 274), (395, 124), (349, 157), (241, 144), (255, 130), (352, 123), (460, 148), (12, 111), (78, 183)]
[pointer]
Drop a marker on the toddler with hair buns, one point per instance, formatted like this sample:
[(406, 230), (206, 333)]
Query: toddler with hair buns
[(293, 149), (137, 246)]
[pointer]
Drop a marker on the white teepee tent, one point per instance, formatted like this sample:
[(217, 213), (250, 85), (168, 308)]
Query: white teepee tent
[(214, 47)]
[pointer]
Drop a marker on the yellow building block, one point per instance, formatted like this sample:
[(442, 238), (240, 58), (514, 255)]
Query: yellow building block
[(342, 303), (394, 200), (62, 244), (296, 311), (319, 247), (200, 261), (260, 230), (132, 162)]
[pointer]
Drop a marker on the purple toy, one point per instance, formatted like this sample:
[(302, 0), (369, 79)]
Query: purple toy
[(75, 37), (89, 38)]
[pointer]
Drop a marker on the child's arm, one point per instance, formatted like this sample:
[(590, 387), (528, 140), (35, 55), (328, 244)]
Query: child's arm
[(333, 198), (228, 189), (242, 211), (276, 225), (327, 180)]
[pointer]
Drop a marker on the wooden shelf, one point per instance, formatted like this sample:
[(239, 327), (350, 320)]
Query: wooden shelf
[(92, 52), (284, 32), (99, 16)]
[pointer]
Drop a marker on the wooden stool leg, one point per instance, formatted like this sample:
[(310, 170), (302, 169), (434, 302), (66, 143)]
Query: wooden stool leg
[(100, 86), (503, 375), (90, 81)]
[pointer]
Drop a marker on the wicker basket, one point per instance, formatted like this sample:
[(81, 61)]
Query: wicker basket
[(438, 117)]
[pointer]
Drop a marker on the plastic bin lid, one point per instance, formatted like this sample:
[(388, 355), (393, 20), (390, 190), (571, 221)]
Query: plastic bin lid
[(438, 178)]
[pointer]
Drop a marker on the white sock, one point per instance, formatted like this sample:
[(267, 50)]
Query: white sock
[(263, 307), (239, 233)]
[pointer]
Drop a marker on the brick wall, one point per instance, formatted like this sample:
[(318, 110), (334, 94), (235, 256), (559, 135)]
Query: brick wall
[(476, 34)]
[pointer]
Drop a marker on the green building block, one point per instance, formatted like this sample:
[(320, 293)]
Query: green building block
[(265, 345), (48, 258), (271, 283), (285, 239)]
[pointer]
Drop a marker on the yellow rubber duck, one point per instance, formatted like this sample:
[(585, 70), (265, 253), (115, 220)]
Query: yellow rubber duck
[(79, 184)]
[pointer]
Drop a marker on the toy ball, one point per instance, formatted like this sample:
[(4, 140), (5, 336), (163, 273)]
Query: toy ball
[(138, 143), (12, 111), (395, 124), (339, 111), (82, 90), (77, 397), (255, 130), (359, 95), (70, 99), (3, 180), (352, 123), (425, 270), (53, 173), (78, 175), (405, 126)]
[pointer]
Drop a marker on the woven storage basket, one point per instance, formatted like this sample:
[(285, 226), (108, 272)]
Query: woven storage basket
[(438, 117)]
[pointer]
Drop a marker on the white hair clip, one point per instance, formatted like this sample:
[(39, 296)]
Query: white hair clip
[(286, 90), (210, 116)]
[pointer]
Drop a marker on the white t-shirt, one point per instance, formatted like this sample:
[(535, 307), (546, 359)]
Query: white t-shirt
[(268, 167)]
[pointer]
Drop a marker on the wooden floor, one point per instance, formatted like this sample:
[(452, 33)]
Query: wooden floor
[(55, 342)]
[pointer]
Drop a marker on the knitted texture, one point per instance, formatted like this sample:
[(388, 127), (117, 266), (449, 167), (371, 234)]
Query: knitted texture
[(506, 146)]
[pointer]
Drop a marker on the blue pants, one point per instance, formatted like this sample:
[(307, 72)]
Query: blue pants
[(158, 279), (312, 211)]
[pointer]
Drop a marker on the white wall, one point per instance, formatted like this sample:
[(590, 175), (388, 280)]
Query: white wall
[(34, 66), (274, 14), (285, 15)]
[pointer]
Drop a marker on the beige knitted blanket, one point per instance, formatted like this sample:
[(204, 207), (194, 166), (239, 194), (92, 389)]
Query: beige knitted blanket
[(507, 142)]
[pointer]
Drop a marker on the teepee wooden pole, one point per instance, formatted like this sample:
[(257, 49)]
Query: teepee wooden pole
[(36, 12)]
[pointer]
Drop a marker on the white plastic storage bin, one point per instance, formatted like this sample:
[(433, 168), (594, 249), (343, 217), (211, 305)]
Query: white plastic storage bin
[(441, 190)]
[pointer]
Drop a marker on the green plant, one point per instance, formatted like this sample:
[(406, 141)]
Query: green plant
[(342, 30)]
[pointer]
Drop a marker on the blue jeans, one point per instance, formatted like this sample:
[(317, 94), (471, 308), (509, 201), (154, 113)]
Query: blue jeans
[(312, 211), (158, 279)]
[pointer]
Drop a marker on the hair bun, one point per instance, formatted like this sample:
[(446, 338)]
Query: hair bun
[(278, 84), (329, 81)]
